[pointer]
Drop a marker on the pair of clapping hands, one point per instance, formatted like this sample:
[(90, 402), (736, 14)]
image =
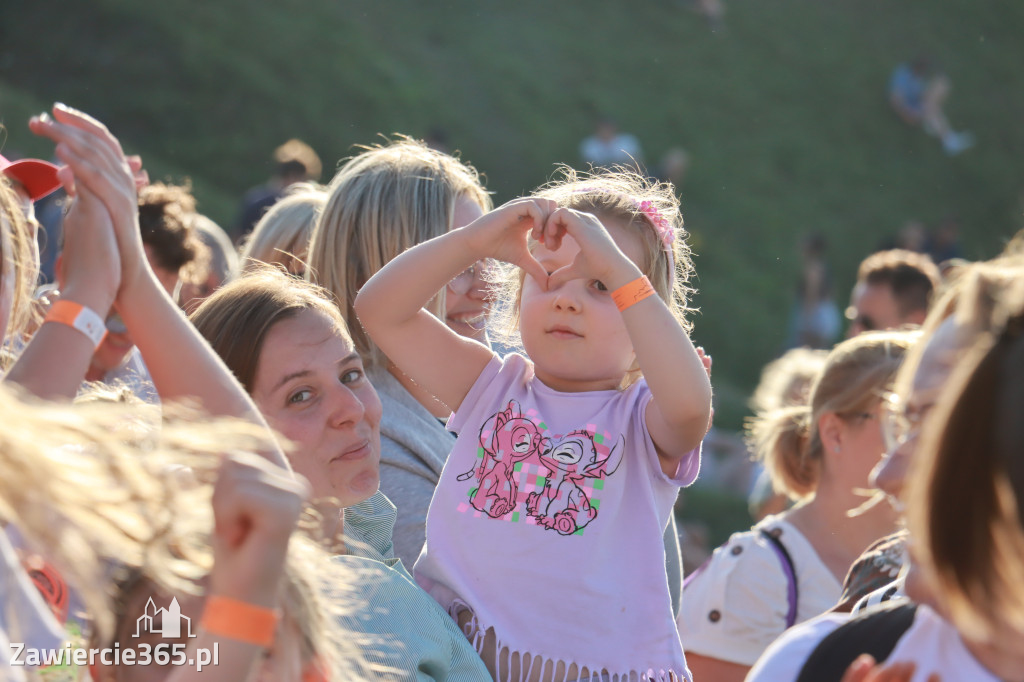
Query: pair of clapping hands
[(256, 503)]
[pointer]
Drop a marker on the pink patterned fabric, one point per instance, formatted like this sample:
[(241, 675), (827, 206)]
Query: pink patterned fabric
[(548, 520)]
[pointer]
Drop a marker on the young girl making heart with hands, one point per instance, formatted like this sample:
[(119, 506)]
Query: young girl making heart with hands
[(544, 537)]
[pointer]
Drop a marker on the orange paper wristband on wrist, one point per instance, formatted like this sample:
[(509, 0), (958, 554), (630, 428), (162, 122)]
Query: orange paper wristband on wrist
[(634, 292), (77, 316), (240, 621)]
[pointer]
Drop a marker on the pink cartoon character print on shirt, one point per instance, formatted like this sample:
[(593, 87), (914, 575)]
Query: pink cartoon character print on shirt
[(505, 439), (563, 506)]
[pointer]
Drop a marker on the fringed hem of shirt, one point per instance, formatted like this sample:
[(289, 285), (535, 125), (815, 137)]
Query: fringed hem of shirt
[(520, 666)]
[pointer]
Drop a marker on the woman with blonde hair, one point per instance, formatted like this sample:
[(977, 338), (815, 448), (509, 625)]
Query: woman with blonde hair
[(282, 235), (789, 567), (380, 203), (784, 381)]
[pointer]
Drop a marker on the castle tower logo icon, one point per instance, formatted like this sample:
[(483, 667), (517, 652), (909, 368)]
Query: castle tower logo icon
[(164, 622)]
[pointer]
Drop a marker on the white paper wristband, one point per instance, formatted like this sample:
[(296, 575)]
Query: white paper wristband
[(81, 318)]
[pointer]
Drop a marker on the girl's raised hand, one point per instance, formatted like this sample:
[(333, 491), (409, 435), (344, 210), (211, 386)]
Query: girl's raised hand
[(95, 160), (504, 233), (599, 256)]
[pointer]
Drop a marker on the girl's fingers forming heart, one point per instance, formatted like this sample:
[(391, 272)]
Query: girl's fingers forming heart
[(535, 213), (556, 227), (534, 269), (566, 273)]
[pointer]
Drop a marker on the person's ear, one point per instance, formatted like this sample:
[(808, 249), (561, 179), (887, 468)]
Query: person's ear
[(830, 430)]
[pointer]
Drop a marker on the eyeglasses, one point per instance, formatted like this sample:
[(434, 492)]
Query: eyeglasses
[(900, 425), (464, 282)]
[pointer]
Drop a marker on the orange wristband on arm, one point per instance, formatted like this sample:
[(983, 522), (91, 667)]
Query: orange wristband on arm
[(79, 317), (240, 621), (632, 293)]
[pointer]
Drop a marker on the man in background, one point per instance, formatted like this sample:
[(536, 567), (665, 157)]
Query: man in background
[(295, 162), (894, 288)]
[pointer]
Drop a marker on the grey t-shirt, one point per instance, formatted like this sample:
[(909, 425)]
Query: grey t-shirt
[(414, 447)]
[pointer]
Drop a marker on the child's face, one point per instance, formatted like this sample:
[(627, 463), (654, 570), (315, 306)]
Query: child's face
[(574, 333)]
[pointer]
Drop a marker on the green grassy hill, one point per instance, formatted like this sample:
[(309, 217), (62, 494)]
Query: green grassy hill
[(784, 113)]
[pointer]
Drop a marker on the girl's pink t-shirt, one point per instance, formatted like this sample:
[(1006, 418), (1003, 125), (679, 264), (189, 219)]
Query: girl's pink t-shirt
[(548, 524)]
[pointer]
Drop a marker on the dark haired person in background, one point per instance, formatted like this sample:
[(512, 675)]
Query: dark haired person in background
[(894, 288), (295, 161)]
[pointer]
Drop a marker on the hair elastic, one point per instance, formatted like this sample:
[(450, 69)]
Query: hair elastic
[(79, 317), (240, 621), (632, 293)]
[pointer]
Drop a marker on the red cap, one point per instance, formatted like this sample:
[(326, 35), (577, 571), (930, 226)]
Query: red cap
[(38, 177)]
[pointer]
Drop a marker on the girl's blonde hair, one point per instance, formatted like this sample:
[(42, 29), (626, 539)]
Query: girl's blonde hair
[(282, 235), (16, 258), (856, 375), (109, 494), (380, 203), (966, 486), (88, 483), (635, 201), (648, 208)]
